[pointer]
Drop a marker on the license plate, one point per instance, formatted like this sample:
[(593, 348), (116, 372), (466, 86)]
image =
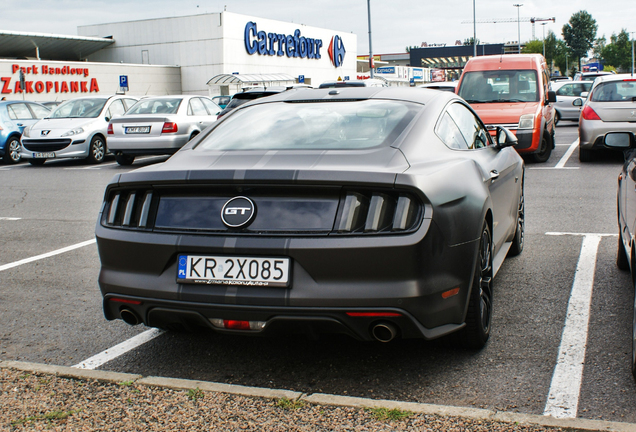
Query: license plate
[(225, 270), (43, 155), (138, 130)]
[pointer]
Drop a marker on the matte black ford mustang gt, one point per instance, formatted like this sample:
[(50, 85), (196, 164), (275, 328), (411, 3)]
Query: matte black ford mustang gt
[(372, 212)]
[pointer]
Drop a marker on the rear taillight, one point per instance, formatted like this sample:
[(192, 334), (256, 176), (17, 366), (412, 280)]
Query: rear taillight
[(589, 114), (110, 129), (169, 127), (128, 209), (377, 212)]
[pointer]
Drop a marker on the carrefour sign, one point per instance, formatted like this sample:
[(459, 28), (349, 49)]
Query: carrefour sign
[(292, 45)]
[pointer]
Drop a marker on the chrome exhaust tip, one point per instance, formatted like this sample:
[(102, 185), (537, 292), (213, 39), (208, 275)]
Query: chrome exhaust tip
[(129, 317), (384, 332)]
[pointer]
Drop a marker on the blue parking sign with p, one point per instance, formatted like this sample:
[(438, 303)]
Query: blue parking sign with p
[(123, 81)]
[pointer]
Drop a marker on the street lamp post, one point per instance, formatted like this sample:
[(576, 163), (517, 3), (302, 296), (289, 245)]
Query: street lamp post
[(518, 6), (632, 53), (474, 32), (543, 24), (370, 46)]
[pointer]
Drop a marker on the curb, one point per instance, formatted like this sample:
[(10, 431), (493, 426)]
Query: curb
[(576, 424)]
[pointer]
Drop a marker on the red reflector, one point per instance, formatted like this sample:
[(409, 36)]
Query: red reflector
[(110, 129), (450, 293), (121, 300), (589, 114), (630, 79), (374, 314), (236, 325), (169, 127)]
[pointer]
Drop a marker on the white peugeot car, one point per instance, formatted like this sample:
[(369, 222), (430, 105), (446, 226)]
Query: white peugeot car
[(76, 129)]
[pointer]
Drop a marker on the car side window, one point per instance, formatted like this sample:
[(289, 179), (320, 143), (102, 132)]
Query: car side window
[(565, 90), (475, 135), (213, 109), (449, 133), (196, 108), (116, 109), (19, 111), (128, 103), (39, 111)]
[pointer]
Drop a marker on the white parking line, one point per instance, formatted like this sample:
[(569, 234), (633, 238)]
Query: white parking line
[(564, 158), (46, 255), (565, 388), (119, 349), (9, 218)]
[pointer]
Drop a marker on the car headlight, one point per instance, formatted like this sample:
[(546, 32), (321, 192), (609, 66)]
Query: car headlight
[(26, 132), (526, 121), (72, 132)]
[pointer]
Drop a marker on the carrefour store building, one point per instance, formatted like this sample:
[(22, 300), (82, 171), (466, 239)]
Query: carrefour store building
[(208, 54)]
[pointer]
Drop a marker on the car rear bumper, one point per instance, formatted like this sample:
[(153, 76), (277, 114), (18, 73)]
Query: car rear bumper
[(330, 276), (139, 144), (592, 132)]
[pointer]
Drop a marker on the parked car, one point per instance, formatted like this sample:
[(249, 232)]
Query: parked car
[(159, 125), (566, 93), (626, 254), (75, 129), (14, 117), (222, 101), (249, 94), (514, 91), (450, 86), (589, 76), (371, 82), (378, 213), (609, 108)]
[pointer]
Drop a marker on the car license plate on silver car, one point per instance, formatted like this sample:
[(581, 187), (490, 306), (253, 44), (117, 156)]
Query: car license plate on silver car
[(226, 270), (138, 130), (43, 155)]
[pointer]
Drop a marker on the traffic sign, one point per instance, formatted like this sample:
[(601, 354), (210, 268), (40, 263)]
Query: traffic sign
[(123, 82)]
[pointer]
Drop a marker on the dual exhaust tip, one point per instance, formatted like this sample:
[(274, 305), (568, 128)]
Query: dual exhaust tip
[(382, 332)]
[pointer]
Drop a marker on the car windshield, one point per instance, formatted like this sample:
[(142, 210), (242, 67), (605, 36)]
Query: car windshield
[(155, 106), (312, 125), (80, 108), (500, 86), (614, 91)]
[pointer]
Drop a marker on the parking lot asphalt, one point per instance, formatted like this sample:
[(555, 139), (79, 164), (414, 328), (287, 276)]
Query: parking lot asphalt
[(51, 307)]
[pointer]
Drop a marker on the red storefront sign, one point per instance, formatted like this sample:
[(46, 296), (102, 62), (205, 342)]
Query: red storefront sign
[(75, 85)]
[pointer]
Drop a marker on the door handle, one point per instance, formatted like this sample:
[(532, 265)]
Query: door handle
[(494, 175), (20, 124)]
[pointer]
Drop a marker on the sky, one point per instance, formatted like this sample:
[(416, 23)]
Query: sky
[(395, 24)]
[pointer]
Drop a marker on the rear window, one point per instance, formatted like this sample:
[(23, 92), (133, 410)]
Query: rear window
[(614, 91), (156, 106), (313, 125), (500, 86)]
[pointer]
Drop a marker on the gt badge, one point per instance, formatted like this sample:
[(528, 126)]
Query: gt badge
[(238, 212)]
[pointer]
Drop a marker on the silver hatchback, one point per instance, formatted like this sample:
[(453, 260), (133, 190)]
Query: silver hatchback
[(567, 93), (159, 125), (610, 107)]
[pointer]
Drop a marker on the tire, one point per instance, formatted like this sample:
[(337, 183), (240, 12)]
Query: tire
[(479, 314), (37, 162), (634, 338), (97, 150), (12, 151), (124, 159), (557, 117), (585, 155), (622, 261), (544, 152), (518, 240)]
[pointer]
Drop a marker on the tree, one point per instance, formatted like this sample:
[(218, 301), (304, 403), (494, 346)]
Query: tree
[(579, 34), (551, 49), (533, 46), (618, 52), (561, 55), (470, 41)]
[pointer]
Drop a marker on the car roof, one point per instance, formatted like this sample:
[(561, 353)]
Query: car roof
[(408, 94), (614, 77), (504, 62)]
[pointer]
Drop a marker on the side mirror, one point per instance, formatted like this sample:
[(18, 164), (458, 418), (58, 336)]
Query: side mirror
[(107, 119), (551, 96), (577, 102), (505, 138), (619, 140), (584, 94)]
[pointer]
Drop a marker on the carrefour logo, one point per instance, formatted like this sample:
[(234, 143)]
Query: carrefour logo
[(336, 51), (276, 44)]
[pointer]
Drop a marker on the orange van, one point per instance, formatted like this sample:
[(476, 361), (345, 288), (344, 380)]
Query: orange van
[(513, 90)]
